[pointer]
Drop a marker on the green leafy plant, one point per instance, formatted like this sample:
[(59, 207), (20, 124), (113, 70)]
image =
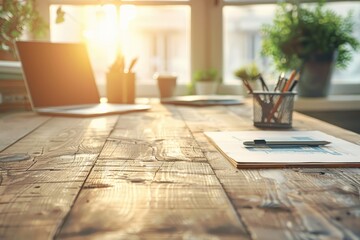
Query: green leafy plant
[(17, 16), (205, 75), (299, 33), (209, 75), (248, 72)]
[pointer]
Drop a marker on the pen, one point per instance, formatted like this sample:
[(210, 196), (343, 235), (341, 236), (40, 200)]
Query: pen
[(284, 89), (263, 84), (280, 80), (132, 64), (262, 142), (293, 85), (283, 83)]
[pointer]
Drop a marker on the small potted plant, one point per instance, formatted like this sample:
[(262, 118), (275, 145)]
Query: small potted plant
[(16, 17), (249, 73), (205, 81), (311, 40)]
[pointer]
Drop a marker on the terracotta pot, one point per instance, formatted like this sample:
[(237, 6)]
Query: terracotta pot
[(166, 83)]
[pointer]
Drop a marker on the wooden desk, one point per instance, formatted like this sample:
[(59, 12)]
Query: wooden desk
[(154, 175)]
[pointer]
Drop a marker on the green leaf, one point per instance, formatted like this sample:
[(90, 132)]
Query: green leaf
[(297, 32)]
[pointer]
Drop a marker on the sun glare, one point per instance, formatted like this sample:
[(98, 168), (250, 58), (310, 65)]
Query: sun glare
[(101, 30), (107, 30), (127, 14)]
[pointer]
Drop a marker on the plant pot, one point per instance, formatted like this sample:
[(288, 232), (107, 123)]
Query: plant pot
[(316, 75), (166, 83), (206, 88)]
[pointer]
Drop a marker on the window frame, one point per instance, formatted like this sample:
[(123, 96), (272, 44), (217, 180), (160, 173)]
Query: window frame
[(206, 36), (335, 88)]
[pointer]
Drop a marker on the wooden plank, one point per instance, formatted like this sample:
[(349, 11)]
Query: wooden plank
[(299, 203), (40, 191), (216, 118), (157, 136), (284, 203), (15, 126), (135, 204), (154, 175), (23, 231), (152, 181)]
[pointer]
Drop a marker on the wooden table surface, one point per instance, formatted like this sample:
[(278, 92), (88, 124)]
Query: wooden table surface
[(154, 175)]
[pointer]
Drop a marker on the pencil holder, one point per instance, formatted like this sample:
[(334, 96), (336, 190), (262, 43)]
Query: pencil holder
[(120, 87), (273, 109)]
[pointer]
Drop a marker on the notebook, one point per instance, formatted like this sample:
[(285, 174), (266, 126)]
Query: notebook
[(339, 153), (60, 81), (204, 100)]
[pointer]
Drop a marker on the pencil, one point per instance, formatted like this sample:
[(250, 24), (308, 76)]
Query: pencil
[(132, 64), (289, 82), (296, 79), (285, 89)]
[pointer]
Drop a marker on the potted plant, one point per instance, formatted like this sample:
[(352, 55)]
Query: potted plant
[(311, 40), (205, 82), (16, 17), (249, 73)]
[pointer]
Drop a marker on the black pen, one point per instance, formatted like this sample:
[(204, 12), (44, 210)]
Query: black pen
[(263, 84), (262, 143), (293, 85)]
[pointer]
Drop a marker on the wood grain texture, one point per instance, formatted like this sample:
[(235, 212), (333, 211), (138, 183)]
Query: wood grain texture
[(288, 203), (152, 181), (15, 126), (38, 193), (155, 175)]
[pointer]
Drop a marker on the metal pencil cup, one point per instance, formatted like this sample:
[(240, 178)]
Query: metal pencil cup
[(273, 109)]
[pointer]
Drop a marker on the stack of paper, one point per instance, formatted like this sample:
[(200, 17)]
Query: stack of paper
[(204, 100), (338, 153)]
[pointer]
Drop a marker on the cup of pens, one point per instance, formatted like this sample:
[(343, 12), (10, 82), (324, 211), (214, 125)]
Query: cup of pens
[(120, 82), (273, 109)]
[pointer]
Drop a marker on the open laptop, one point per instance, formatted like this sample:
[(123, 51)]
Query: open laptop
[(60, 81)]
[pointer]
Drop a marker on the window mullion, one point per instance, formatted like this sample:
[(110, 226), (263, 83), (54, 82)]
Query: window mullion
[(206, 35), (199, 28), (215, 19)]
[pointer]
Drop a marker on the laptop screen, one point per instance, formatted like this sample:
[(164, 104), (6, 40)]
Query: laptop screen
[(57, 74)]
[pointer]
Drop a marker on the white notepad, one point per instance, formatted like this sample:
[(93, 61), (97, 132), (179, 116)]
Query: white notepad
[(339, 153), (204, 100)]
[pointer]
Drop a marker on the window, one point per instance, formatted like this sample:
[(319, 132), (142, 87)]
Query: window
[(180, 36), (242, 38), (157, 36)]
